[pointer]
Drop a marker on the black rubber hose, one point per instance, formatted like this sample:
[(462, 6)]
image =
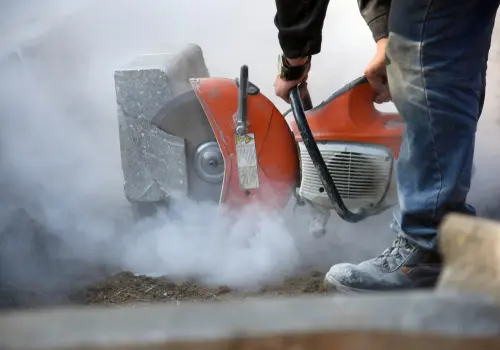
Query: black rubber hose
[(319, 162)]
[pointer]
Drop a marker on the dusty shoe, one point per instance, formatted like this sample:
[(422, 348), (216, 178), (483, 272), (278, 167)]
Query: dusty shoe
[(402, 266)]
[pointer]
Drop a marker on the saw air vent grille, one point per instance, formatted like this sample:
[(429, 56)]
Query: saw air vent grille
[(361, 173)]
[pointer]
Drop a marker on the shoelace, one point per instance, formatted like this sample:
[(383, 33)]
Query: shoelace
[(394, 250)]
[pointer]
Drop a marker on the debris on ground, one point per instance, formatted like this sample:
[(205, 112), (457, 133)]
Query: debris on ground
[(127, 288)]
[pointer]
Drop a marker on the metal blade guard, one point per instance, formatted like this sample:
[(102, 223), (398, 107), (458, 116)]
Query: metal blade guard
[(261, 161)]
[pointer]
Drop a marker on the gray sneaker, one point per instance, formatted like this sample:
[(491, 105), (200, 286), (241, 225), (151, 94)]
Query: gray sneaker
[(401, 266)]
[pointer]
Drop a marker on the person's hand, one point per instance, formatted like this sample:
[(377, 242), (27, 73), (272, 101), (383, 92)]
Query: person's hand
[(282, 87), (376, 73)]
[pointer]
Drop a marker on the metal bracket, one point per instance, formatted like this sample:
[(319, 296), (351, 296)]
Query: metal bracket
[(252, 89), (320, 215)]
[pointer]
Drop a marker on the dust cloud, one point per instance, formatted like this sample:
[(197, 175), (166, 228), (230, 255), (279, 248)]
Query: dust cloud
[(63, 217)]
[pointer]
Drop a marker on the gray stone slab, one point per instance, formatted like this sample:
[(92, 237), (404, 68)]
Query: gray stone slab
[(461, 316), (144, 85), (153, 162)]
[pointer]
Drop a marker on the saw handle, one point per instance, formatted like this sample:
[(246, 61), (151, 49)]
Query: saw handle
[(307, 102), (319, 163), (241, 123)]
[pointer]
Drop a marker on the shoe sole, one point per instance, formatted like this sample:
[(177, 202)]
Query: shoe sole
[(331, 284)]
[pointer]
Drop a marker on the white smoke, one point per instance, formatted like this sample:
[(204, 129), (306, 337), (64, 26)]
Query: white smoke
[(59, 148)]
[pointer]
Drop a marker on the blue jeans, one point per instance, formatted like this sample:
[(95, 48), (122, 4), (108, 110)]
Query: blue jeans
[(436, 63)]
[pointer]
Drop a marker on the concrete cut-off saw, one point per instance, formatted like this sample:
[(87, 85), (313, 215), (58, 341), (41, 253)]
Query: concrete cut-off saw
[(221, 140)]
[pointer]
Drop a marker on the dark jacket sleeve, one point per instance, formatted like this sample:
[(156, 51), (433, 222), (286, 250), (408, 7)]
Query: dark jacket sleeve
[(376, 15), (300, 23)]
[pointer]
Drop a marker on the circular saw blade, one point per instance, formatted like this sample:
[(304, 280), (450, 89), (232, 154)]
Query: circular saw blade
[(184, 117)]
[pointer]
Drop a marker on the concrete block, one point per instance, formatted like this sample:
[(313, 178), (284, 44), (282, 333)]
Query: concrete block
[(144, 85), (153, 162)]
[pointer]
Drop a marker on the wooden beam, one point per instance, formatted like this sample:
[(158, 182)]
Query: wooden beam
[(471, 249), (387, 321)]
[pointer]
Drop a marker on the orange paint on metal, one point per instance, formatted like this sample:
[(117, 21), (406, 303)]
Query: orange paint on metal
[(277, 153), (352, 117)]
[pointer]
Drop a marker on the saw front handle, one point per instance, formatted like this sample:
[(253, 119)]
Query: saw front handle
[(241, 122), (317, 159)]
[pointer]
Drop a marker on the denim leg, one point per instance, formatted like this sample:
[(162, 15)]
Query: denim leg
[(436, 64)]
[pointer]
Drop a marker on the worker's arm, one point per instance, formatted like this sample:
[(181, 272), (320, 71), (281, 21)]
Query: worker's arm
[(300, 23), (376, 15)]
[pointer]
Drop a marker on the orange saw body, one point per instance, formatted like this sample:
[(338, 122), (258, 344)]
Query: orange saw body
[(221, 140), (268, 135), (360, 143)]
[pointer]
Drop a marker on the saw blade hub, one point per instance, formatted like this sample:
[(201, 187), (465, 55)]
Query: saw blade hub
[(208, 162)]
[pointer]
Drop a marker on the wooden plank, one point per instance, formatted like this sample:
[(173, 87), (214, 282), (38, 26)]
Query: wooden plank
[(343, 340), (384, 321), (471, 249)]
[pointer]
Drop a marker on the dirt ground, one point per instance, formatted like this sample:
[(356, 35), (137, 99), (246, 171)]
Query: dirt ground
[(127, 288)]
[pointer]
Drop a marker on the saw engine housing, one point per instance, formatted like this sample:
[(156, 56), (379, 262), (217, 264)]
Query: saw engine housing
[(348, 151)]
